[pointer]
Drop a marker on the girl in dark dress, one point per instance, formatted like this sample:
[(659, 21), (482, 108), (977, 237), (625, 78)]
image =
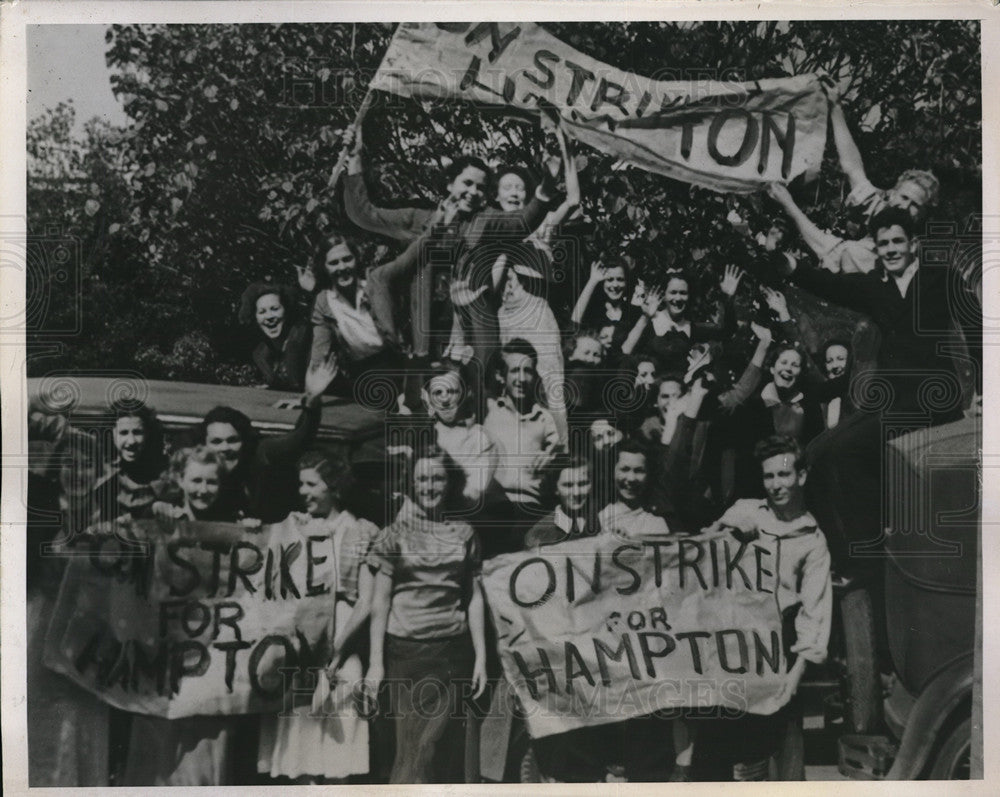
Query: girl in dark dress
[(282, 352)]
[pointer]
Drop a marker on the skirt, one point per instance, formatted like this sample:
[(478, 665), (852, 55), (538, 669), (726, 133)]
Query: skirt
[(332, 743)]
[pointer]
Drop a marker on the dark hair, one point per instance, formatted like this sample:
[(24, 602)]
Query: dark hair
[(516, 346), (781, 348), (671, 376), (333, 469), (520, 171), (248, 301), (550, 477), (779, 444), (461, 163), (427, 449), (323, 281), (152, 459), (240, 422), (891, 217), (618, 262), (836, 342)]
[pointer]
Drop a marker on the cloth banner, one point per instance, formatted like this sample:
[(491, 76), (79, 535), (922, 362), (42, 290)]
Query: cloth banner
[(179, 618), (728, 136), (601, 629)]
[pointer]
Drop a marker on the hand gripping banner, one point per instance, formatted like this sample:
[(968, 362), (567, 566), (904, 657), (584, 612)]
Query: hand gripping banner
[(601, 629), (728, 136), (176, 619)]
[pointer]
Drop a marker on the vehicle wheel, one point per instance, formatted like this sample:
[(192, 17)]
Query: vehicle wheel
[(863, 688), (529, 768), (954, 758)]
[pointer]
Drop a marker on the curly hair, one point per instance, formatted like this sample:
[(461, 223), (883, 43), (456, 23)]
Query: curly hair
[(334, 470), (152, 460), (248, 301), (426, 449), (926, 180), (779, 444), (201, 455)]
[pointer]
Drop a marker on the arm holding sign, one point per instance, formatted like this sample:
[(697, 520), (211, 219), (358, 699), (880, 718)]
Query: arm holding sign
[(820, 241), (847, 150)]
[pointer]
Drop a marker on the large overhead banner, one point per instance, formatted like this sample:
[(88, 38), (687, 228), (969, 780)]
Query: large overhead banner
[(601, 629), (728, 136)]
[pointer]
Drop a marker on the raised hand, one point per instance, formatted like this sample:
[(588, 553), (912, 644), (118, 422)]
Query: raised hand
[(597, 272), (306, 278), (320, 375), (651, 304), (731, 280), (830, 87), (776, 301), (779, 193)]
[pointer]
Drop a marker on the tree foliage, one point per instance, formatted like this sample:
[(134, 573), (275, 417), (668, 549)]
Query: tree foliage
[(221, 176)]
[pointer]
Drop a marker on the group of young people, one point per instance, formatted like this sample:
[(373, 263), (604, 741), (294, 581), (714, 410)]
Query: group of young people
[(525, 421)]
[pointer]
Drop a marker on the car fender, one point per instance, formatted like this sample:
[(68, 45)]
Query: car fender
[(935, 704)]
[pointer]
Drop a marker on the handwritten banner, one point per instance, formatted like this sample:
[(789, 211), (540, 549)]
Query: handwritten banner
[(180, 619), (601, 629), (728, 136)]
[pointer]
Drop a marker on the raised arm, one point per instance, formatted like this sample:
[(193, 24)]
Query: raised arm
[(847, 150), (750, 379), (583, 301), (402, 224), (820, 241), (289, 447), (572, 200), (650, 306)]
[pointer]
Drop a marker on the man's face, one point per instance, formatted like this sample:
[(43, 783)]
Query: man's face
[(520, 378), (467, 189), (573, 488), (894, 248), (443, 397), (340, 264), (783, 482), (630, 476), (911, 197), (836, 360)]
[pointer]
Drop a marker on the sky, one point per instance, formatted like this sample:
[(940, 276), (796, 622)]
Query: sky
[(67, 62)]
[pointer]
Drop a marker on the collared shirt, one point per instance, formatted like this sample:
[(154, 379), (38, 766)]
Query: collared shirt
[(638, 523), (903, 280), (433, 564), (663, 323), (570, 525), (803, 570), (519, 438), (558, 527), (353, 321), (473, 451), (769, 395)]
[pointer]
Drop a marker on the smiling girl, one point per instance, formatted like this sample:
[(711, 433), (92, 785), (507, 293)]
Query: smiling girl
[(282, 350), (428, 622)]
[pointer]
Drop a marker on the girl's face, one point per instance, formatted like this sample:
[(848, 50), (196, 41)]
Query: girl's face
[(588, 350), (224, 440), (430, 483), (511, 192), (604, 435), (270, 314), (630, 477), (340, 265), (466, 190), (786, 368), (836, 360), (200, 485), (614, 283), (670, 391), (645, 374), (607, 336), (676, 298), (315, 493), (129, 437)]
